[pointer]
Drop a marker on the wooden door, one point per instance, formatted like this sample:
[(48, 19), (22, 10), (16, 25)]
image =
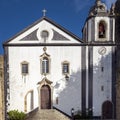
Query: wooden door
[(45, 97), (107, 110)]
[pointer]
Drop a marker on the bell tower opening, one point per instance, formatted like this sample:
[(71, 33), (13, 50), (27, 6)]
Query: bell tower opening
[(102, 29)]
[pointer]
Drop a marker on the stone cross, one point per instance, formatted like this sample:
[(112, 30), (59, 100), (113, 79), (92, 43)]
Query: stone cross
[(44, 12)]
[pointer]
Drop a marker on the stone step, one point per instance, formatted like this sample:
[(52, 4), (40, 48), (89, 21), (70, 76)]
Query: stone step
[(51, 114)]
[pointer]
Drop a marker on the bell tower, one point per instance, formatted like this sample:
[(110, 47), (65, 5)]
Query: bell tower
[(99, 36), (100, 24)]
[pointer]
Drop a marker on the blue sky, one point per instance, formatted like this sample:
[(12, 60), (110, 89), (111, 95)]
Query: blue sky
[(15, 15)]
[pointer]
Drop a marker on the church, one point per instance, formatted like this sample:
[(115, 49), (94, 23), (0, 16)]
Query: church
[(48, 67)]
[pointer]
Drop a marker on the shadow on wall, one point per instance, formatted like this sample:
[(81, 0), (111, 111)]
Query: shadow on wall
[(69, 92), (104, 83)]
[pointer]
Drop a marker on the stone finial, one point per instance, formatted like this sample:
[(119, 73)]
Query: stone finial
[(112, 9), (98, 1)]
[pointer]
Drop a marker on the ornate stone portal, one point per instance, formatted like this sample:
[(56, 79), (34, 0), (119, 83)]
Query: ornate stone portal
[(45, 91)]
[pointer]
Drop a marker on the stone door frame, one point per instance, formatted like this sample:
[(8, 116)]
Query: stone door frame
[(45, 82)]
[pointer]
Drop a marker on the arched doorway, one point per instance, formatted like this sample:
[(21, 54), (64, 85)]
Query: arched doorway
[(28, 101), (45, 97), (107, 110)]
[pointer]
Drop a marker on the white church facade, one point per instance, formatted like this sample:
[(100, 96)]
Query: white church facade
[(47, 67)]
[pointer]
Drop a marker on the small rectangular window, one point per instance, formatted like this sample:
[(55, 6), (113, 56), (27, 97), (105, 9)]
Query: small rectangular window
[(102, 88), (24, 68), (65, 68)]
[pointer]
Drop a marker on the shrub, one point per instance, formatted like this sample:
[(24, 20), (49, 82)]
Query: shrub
[(16, 115)]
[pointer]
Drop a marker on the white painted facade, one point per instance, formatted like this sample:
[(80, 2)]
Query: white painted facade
[(91, 67), (30, 81), (101, 78)]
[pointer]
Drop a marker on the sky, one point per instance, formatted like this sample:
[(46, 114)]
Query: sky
[(16, 15)]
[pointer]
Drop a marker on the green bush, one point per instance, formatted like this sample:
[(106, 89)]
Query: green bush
[(16, 115)]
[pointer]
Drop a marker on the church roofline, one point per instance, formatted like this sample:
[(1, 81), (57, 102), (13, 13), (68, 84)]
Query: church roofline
[(50, 21)]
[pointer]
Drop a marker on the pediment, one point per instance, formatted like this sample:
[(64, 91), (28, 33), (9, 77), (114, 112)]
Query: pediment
[(45, 55), (30, 37), (32, 34), (45, 81)]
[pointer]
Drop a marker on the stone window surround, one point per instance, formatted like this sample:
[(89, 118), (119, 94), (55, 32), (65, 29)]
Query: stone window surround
[(63, 63), (24, 62)]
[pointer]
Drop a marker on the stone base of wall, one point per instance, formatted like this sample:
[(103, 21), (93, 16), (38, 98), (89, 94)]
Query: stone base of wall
[(2, 107)]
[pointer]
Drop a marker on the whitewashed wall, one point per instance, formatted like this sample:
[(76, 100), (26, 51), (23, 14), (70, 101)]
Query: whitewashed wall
[(69, 92), (101, 78)]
